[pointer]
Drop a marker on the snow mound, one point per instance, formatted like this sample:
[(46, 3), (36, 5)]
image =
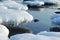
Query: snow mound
[(28, 36), (54, 34), (51, 35), (34, 3), (3, 37), (10, 17), (4, 30), (13, 16), (27, 17), (14, 5), (50, 1), (4, 33)]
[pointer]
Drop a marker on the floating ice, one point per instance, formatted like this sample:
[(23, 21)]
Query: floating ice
[(29, 36), (4, 30), (52, 34), (50, 1), (14, 5), (34, 3), (3, 37), (10, 18), (13, 17)]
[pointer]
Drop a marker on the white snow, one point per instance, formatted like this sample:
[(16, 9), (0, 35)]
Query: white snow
[(12, 13), (36, 3), (6, 0), (18, 1), (27, 17), (4, 30), (10, 17), (40, 36), (14, 5), (3, 37), (4, 33), (50, 1), (29, 36), (51, 35), (56, 34)]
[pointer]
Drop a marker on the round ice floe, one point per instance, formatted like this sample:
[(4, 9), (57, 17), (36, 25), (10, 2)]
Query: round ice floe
[(14, 5), (28, 36), (3, 30)]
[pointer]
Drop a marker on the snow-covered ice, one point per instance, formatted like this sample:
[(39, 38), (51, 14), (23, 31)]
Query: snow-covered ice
[(4, 33), (50, 1), (4, 30), (2, 37), (29, 36), (34, 3), (12, 16), (56, 34), (40, 36), (14, 5), (51, 35), (8, 16)]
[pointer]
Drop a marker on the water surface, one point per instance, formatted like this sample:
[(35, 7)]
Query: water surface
[(44, 17)]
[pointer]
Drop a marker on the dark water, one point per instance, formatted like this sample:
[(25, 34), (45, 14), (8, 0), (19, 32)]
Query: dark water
[(43, 15)]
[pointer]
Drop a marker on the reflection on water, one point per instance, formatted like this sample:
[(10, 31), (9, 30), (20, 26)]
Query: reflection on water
[(43, 15)]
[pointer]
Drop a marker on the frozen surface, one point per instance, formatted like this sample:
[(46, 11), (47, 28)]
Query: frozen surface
[(34, 3), (13, 13), (15, 5), (52, 1), (41, 36), (28, 36), (3, 37), (4, 33), (4, 30)]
